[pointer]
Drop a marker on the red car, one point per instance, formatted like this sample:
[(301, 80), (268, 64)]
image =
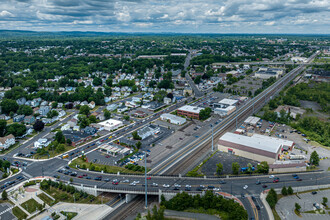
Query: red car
[(276, 180), (148, 178), (80, 176), (84, 174), (114, 183), (299, 179), (107, 156)]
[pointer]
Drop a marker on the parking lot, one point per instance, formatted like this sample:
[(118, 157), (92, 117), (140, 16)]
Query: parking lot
[(210, 167), (285, 206)]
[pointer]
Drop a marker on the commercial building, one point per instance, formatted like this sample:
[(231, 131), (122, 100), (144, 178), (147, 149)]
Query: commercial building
[(257, 147), (148, 131), (189, 111), (266, 73), (252, 120), (112, 149), (225, 107), (76, 137), (111, 124), (173, 119), (224, 111)]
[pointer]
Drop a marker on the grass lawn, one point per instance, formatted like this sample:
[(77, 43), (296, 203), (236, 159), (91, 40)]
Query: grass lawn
[(46, 199), (316, 144), (64, 196), (52, 153), (69, 215), (276, 216), (31, 205), (19, 213), (98, 167)]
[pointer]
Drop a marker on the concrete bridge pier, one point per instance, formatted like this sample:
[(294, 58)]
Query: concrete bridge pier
[(129, 197)]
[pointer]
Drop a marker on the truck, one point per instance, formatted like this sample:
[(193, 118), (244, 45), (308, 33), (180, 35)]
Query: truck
[(65, 156), (297, 157)]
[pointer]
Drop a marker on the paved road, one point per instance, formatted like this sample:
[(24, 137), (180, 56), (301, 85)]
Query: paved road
[(188, 78)]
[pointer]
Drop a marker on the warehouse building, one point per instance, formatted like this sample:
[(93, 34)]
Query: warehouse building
[(266, 73), (148, 131), (189, 111), (225, 107), (252, 120), (224, 111), (257, 147), (110, 124), (173, 119)]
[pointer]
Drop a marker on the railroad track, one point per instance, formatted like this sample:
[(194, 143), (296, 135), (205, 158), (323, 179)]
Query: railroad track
[(195, 150)]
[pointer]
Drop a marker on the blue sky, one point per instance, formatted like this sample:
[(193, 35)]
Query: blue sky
[(182, 16)]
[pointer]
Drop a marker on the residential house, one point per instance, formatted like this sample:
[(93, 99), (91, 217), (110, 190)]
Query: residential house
[(21, 101), (167, 100), (18, 118), (122, 109), (84, 103), (42, 142), (112, 107), (29, 119), (7, 141), (43, 110), (44, 103), (4, 117), (91, 104), (65, 127), (89, 130), (73, 122), (76, 137)]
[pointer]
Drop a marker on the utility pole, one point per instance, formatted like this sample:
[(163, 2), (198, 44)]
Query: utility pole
[(145, 178)]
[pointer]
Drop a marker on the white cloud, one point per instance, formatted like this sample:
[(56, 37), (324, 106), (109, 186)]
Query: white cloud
[(270, 23), (6, 14)]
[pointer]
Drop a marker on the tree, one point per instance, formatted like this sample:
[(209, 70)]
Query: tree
[(71, 180), (109, 82), (235, 168), (170, 95), (52, 114), (219, 168), (97, 81), (92, 119), (290, 190), (297, 207), (197, 80), (138, 145), (126, 117), (107, 114), (8, 105), (3, 125), (314, 159), (59, 137), (249, 168), (284, 191), (25, 110), (54, 104), (83, 121), (38, 125), (324, 201), (69, 142), (16, 129), (271, 198), (4, 195), (136, 136), (205, 113), (84, 110), (263, 167)]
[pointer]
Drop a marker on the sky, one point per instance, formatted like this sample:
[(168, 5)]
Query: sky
[(180, 16)]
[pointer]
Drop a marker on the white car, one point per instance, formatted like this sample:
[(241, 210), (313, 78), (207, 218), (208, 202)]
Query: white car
[(154, 184), (132, 184), (166, 186), (188, 186), (125, 181), (136, 181), (245, 187), (271, 176), (216, 189), (177, 185)]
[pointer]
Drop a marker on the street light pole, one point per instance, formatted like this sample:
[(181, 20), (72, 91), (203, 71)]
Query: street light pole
[(212, 138), (145, 178)]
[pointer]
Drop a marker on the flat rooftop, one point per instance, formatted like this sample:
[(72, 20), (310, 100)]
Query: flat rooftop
[(110, 122), (189, 108), (257, 141), (228, 101)]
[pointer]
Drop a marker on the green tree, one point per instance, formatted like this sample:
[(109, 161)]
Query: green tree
[(136, 136), (271, 198), (109, 82), (263, 167), (249, 170), (69, 142), (219, 168), (97, 81), (83, 121), (8, 105), (235, 168), (126, 117), (4, 195), (59, 137), (38, 125), (84, 110), (324, 201), (107, 114), (25, 110), (290, 190), (297, 207), (138, 145), (314, 159), (197, 80), (92, 119), (16, 129), (3, 125), (284, 191), (205, 113), (54, 104)]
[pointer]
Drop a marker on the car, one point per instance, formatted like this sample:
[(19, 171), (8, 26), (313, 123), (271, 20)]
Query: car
[(67, 167), (245, 187), (299, 179), (271, 176), (276, 180), (132, 184), (154, 184), (84, 174), (258, 182), (187, 189), (126, 181), (314, 192), (242, 195), (88, 177), (296, 177), (149, 178), (166, 186), (202, 186), (176, 188), (253, 198), (199, 189), (97, 178), (188, 186), (80, 176), (222, 182), (210, 187), (264, 186), (177, 185), (107, 180), (60, 171), (257, 207), (115, 183), (216, 189), (107, 156)]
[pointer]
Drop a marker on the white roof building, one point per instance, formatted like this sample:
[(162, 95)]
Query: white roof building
[(173, 119), (111, 124), (252, 120), (189, 108), (228, 102)]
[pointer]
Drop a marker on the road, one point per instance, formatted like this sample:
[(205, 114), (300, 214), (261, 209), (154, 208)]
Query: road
[(192, 84)]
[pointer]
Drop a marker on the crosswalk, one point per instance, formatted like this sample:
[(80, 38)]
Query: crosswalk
[(26, 174), (6, 210)]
